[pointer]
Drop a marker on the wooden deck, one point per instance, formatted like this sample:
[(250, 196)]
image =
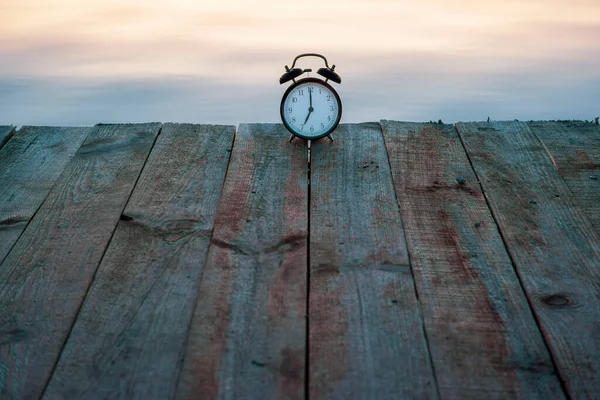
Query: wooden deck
[(405, 260)]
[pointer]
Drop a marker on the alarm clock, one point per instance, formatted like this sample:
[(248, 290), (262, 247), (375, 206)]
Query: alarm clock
[(310, 107)]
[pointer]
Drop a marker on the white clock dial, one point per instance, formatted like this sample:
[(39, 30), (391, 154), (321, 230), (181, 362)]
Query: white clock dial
[(311, 109)]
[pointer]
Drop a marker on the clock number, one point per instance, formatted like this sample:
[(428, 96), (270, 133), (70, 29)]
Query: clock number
[(294, 100), (322, 125), (312, 128), (328, 97), (329, 118), (300, 92), (293, 119), (290, 109), (301, 126), (330, 108), (310, 89)]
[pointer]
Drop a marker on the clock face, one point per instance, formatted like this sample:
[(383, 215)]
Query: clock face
[(311, 109)]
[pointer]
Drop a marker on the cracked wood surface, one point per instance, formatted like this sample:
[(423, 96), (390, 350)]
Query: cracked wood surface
[(483, 338), (574, 147), (554, 247), (248, 331), (46, 275), (129, 337), (366, 334), (30, 164)]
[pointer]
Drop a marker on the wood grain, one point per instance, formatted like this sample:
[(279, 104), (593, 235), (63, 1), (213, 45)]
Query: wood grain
[(574, 148), (129, 336), (46, 274), (6, 132), (366, 333), (30, 164), (554, 247), (248, 332), (483, 338)]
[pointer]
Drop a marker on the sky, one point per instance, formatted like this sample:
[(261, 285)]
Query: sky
[(82, 62)]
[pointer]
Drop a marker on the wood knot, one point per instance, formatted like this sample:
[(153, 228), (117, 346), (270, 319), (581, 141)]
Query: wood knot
[(559, 300)]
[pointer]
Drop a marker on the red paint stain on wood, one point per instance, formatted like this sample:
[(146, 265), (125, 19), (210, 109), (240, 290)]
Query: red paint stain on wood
[(287, 293), (206, 385), (328, 340), (296, 203), (231, 215), (392, 255), (485, 316), (577, 162), (291, 371), (205, 366), (286, 304), (450, 242)]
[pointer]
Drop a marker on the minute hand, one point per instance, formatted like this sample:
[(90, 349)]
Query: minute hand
[(310, 107)]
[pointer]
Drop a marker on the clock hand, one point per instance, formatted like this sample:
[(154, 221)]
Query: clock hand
[(310, 107), (309, 111)]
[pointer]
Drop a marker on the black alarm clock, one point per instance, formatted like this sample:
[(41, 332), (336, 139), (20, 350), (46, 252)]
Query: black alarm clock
[(310, 107)]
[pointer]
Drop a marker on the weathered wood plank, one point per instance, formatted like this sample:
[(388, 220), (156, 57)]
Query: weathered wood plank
[(248, 332), (6, 132), (554, 247), (129, 336), (575, 150), (483, 339), (46, 274), (366, 333), (30, 164)]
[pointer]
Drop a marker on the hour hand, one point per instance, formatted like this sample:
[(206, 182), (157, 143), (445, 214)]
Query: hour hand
[(309, 111)]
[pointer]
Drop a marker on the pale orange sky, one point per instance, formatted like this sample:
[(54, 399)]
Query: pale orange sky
[(246, 43)]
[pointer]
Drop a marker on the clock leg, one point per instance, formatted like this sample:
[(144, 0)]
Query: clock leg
[(292, 136), (330, 137)]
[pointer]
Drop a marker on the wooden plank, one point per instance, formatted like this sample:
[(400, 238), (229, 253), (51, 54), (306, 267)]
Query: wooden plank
[(129, 336), (248, 332), (30, 164), (574, 147), (483, 338), (366, 333), (46, 274), (554, 247), (6, 132)]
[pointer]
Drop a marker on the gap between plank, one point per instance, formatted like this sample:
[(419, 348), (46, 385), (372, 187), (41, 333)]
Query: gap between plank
[(514, 264), (306, 318), (97, 267), (412, 274)]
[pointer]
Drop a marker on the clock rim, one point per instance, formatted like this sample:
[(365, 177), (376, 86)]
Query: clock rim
[(318, 81)]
